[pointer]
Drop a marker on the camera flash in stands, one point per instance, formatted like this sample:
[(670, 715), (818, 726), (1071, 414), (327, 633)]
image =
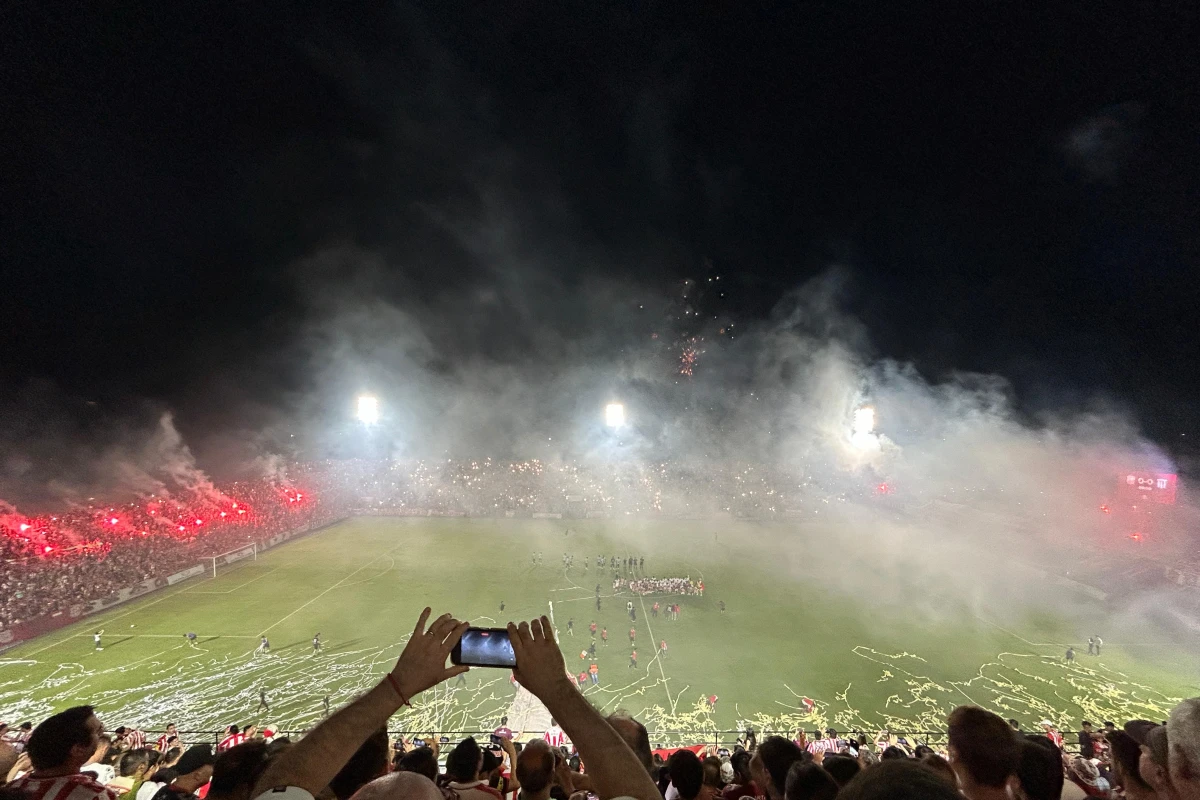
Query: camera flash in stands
[(614, 415), (368, 410)]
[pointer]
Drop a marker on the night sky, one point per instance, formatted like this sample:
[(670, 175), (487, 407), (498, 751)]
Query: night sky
[(1009, 188)]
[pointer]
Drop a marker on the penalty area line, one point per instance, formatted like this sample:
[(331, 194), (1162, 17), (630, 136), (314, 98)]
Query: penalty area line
[(330, 589), (99, 624), (239, 586), (171, 636)]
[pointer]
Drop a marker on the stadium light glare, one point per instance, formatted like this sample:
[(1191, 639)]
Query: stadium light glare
[(614, 415), (862, 432), (368, 410)]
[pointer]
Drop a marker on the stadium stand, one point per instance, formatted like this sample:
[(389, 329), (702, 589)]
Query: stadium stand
[(60, 566), (57, 566)]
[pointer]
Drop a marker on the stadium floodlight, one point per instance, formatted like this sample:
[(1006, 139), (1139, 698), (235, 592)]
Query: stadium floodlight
[(368, 410), (862, 432), (614, 415)]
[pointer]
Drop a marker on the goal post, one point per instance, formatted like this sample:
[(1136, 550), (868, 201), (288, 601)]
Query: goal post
[(223, 559)]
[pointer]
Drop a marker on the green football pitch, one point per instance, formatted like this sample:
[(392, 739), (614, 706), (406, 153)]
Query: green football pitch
[(887, 648)]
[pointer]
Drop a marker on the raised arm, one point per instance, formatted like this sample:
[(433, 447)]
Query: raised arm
[(314, 760), (510, 753), (614, 769)]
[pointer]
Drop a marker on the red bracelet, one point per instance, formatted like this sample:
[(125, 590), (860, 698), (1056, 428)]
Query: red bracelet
[(396, 686)]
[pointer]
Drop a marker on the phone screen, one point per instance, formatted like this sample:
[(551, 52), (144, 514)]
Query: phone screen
[(484, 647)]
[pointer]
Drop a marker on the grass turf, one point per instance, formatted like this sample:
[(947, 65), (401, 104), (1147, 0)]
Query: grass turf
[(887, 649)]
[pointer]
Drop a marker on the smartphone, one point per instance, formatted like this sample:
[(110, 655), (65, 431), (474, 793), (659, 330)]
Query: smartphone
[(484, 647)]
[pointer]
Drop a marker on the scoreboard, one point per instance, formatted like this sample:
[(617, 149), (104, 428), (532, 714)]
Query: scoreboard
[(1153, 487)]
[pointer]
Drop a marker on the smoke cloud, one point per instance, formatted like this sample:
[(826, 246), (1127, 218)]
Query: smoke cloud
[(493, 316), (61, 452)]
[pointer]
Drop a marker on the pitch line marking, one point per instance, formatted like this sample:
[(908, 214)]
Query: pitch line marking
[(330, 589), (650, 630), (99, 624), (1021, 638), (147, 658), (168, 636), (240, 585)]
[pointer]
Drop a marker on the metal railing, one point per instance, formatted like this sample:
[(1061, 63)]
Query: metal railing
[(658, 739)]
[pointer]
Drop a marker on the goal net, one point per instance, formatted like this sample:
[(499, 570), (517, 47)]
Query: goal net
[(220, 562)]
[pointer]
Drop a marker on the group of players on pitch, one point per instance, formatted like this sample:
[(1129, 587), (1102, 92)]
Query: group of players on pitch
[(621, 565), (592, 673)]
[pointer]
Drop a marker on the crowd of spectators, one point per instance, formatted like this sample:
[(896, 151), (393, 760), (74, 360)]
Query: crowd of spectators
[(487, 487), (52, 562), (69, 756), (55, 561), (659, 586)]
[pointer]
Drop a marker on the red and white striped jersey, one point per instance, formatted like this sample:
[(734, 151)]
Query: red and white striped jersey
[(555, 737), (824, 746), (68, 787), (164, 742), (135, 739), (232, 740)]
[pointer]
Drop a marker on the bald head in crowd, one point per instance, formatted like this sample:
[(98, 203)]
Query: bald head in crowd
[(1183, 748), (400, 786), (636, 736), (535, 770)]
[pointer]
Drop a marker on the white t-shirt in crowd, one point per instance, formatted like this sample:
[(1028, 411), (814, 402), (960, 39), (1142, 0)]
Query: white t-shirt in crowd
[(103, 772), (148, 789)]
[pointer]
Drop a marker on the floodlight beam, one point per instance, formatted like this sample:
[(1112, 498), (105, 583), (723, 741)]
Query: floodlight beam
[(368, 410), (614, 415), (862, 432)]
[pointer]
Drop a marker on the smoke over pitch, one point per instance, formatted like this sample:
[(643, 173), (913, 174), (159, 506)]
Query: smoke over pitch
[(487, 282), (525, 370), (784, 391), (964, 467), (504, 310), (60, 452)]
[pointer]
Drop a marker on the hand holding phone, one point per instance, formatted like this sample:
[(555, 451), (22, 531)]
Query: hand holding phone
[(484, 647), (423, 662), (541, 669)]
